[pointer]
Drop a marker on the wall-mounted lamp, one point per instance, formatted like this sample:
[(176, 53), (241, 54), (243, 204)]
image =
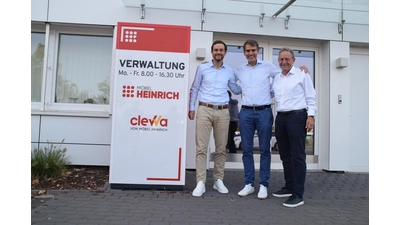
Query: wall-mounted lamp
[(340, 27), (142, 12), (287, 22), (200, 53), (283, 8), (261, 21), (342, 62), (203, 15)]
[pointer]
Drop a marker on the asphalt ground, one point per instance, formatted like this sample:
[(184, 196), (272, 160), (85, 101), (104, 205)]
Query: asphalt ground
[(329, 198)]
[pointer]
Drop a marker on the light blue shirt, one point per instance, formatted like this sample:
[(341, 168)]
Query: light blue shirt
[(212, 83), (294, 91), (255, 82)]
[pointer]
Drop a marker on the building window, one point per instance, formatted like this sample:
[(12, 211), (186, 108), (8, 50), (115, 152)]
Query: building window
[(83, 69), (303, 58), (37, 57)]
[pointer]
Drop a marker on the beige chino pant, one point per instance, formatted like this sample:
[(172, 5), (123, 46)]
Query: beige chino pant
[(218, 120)]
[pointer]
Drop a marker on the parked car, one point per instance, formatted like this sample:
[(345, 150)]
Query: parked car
[(274, 143), (238, 141)]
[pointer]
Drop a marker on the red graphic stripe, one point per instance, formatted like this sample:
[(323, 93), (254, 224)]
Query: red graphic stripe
[(179, 171), (153, 37)]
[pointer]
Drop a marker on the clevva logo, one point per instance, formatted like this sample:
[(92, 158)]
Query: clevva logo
[(155, 121)]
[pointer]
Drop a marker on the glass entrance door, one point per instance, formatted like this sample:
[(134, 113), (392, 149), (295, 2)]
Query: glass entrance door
[(303, 58), (234, 57)]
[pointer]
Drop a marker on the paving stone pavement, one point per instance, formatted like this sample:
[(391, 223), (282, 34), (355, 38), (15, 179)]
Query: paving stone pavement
[(329, 198)]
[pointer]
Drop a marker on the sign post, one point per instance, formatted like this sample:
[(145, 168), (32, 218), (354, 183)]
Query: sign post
[(150, 106)]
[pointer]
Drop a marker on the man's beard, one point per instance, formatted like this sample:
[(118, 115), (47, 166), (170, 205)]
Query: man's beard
[(218, 59)]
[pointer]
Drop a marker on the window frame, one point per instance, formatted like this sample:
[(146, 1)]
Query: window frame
[(40, 28), (49, 104)]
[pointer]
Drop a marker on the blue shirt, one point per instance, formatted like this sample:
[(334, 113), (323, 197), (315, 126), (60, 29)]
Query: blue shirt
[(255, 82), (294, 91), (212, 84)]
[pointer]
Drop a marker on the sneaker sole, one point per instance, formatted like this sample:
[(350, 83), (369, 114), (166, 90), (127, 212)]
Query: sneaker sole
[(242, 195), (282, 195), (294, 205), (262, 197), (222, 192), (196, 195)]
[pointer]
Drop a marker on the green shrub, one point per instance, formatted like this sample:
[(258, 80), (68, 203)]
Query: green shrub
[(49, 162)]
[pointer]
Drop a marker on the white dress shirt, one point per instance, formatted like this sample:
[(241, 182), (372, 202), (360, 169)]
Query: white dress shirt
[(294, 91), (255, 82)]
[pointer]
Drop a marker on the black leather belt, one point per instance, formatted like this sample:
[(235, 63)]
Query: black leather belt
[(256, 107), (291, 112), (213, 106)]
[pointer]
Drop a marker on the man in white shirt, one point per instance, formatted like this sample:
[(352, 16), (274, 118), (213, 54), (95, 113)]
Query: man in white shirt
[(296, 106), (210, 84), (256, 115)]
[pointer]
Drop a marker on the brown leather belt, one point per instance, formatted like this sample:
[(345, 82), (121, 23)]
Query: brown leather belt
[(213, 106)]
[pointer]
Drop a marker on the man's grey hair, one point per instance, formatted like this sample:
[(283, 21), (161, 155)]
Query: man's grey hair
[(252, 43)]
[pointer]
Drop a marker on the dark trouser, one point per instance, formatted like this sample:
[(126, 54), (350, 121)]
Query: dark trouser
[(232, 128), (290, 134), (249, 121)]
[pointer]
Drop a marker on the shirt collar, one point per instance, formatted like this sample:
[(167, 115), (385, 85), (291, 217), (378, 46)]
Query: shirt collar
[(291, 71), (212, 65), (257, 63)]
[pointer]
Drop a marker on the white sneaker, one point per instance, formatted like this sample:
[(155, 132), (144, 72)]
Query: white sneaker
[(220, 187), (248, 189), (199, 190), (262, 193)]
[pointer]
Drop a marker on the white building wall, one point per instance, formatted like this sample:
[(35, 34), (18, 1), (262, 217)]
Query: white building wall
[(359, 110), (322, 119), (76, 130), (355, 33), (108, 12), (272, 27), (35, 129), (198, 39), (39, 10), (320, 22), (339, 104), (87, 139), (340, 139)]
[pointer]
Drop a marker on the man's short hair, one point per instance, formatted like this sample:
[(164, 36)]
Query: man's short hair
[(218, 42), (251, 43), (285, 49)]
